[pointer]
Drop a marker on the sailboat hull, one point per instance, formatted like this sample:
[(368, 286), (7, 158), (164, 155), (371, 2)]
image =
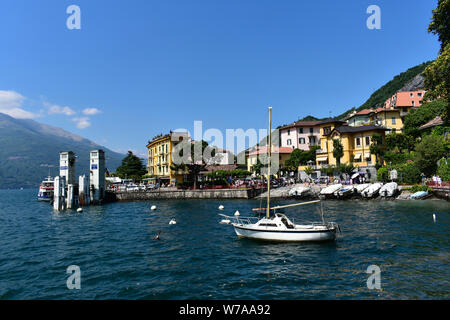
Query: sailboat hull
[(286, 235)]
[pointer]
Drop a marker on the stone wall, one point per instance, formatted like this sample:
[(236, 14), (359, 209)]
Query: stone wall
[(188, 194)]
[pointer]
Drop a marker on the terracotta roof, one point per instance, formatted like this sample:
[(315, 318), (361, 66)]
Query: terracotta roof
[(263, 150), (433, 123), (363, 112)]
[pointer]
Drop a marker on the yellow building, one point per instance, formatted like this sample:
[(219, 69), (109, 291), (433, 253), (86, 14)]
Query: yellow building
[(387, 117), (325, 128), (356, 143), (160, 157)]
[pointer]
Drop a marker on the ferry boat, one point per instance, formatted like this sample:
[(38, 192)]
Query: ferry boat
[(46, 189)]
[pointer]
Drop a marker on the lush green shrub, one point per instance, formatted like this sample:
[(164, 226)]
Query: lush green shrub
[(428, 152), (443, 170), (419, 187), (382, 174), (397, 158), (408, 173)]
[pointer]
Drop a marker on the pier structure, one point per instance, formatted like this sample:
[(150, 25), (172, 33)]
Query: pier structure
[(59, 194), (97, 176), (83, 190), (69, 193)]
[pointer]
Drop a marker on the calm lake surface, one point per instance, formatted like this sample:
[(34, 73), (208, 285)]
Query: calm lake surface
[(200, 259)]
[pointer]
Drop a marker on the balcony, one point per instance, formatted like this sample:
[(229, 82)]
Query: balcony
[(321, 151)]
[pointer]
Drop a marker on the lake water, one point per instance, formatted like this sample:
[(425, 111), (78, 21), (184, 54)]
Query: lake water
[(200, 259)]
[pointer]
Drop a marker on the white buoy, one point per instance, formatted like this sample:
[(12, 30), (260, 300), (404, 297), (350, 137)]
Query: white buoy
[(173, 221), (79, 210), (221, 207), (225, 221), (153, 207), (237, 213), (434, 217)]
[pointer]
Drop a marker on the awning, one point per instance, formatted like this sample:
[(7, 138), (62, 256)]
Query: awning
[(322, 158), (366, 154), (357, 156)]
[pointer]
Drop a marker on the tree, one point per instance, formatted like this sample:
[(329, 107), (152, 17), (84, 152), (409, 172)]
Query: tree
[(338, 151), (437, 79), (131, 167), (426, 112), (440, 22), (377, 148), (437, 75), (195, 163), (399, 142), (257, 167), (444, 169), (428, 152)]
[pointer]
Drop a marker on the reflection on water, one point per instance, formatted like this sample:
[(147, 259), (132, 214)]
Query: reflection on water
[(200, 259)]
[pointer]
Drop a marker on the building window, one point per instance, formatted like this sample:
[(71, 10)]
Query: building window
[(300, 130), (301, 140), (367, 141), (393, 120), (411, 94), (419, 94), (289, 132), (312, 140), (412, 102), (289, 142), (358, 142), (311, 130)]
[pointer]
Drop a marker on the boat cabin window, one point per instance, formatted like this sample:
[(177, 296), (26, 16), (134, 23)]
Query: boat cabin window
[(268, 225)]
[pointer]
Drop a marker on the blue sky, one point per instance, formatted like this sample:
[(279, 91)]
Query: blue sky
[(145, 67)]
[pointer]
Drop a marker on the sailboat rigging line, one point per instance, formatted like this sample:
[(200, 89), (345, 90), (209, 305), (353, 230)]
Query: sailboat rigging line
[(294, 204)]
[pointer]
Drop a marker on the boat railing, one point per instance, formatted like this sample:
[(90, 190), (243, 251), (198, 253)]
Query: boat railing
[(246, 220)]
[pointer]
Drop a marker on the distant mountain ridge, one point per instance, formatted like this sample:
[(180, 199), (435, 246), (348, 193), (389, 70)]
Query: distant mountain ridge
[(28, 149)]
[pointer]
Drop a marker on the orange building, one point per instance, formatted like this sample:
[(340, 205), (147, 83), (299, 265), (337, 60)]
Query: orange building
[(405, 101)]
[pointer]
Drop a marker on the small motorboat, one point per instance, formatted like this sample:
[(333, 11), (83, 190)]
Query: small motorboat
[(359, 188), (372, 190), (330, 190), (344, 192), (299, 191), (419, 195), (389, 189)]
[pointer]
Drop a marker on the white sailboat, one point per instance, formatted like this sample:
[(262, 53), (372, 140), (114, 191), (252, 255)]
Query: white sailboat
[(279, 227)]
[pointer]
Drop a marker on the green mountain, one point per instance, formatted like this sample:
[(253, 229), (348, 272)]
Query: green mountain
[(29, 149), (409, 80)]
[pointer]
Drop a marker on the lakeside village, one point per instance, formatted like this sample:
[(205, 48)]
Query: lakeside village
[(384, 152)]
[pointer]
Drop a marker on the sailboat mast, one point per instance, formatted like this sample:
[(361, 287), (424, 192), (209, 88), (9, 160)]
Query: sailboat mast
[(269, 162)]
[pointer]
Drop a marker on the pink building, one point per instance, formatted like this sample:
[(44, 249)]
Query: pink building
[(405, 100), (300, 135)]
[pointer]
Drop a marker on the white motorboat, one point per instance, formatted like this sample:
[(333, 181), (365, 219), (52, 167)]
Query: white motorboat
[(344, 192), (278, 227), (46, 189), (361, 187), (299, 191), (372, 190), (330, 190), (389, 189)]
